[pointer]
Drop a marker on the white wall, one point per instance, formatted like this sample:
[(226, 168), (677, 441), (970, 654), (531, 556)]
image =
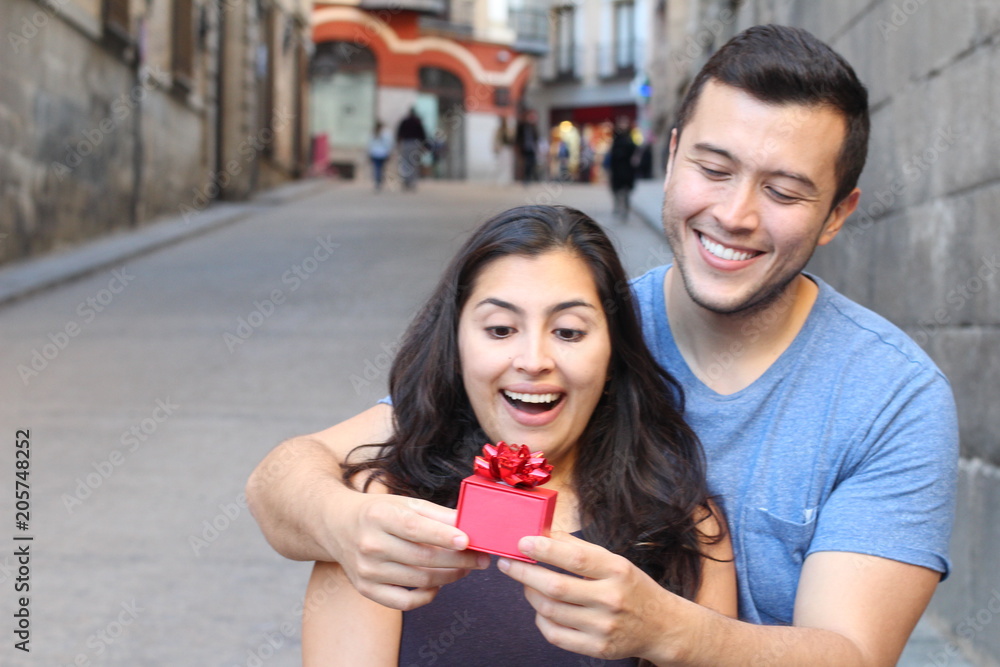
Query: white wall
[(479, 159)]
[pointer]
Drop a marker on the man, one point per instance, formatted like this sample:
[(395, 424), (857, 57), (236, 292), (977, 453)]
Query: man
[(830, 436), (412, 140)]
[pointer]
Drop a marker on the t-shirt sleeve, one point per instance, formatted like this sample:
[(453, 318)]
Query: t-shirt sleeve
[(898, 500)]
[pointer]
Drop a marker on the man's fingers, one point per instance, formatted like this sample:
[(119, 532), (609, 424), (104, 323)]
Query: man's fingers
[(571, 554), (419, 521), (553, 585), (395, 574), (397, 597)]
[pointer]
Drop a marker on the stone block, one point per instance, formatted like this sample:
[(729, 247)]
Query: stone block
[(827, 20), (970, 357), (924, 36), (970, 598), (861, 45)]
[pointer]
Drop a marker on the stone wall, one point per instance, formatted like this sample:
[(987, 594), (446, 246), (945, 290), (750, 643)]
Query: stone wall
[(924, 247), (92, 141), (88, 143)]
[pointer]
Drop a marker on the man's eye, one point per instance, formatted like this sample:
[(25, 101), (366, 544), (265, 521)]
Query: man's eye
[(782, 197), (569, 335), (712, 173), (500, 332)]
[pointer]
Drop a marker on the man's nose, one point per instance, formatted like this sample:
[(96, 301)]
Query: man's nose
[(738, 211)]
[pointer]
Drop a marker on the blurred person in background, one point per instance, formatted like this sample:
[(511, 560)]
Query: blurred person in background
[(621, 162), (379, 149), (412, 140)]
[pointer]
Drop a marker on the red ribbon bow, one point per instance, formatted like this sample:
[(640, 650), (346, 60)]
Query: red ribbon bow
[(513, 464)]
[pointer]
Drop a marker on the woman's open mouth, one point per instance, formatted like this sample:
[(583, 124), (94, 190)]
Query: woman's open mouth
[(532, 404)]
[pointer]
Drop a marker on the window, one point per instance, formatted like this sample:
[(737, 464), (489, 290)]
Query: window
[(182, 44), (565, 46), (117, 19), (624, 35)]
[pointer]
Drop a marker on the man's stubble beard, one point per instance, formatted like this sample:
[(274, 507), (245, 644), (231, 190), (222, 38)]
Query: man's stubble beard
[(755, 304)]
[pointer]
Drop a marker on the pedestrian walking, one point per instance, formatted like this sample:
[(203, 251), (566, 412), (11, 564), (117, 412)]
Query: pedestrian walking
[(621, 163), (526, 143), (379, 149), (412, 140)]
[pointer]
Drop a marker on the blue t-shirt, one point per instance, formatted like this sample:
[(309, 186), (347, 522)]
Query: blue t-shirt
[(848, 442)]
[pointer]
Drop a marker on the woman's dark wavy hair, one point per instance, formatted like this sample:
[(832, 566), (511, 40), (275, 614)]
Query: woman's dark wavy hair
[(640, 472)]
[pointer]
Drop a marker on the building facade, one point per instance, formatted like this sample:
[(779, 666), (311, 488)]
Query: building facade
[(595, 71), (460, 64), (113, 112)]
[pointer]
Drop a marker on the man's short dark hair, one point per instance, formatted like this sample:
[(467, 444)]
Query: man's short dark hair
[(783, 65)]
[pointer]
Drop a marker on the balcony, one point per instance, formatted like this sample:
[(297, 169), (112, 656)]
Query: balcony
[(562, 65), (456, 21), (531, 29), (620, 60), (430, 7)]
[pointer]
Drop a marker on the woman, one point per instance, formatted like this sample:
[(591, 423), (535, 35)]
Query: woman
[(530, 337)]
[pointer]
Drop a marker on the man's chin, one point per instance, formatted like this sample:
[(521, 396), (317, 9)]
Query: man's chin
[(745, 304)]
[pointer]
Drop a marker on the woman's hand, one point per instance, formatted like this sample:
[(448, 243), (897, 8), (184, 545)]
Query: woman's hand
[(615, 611)]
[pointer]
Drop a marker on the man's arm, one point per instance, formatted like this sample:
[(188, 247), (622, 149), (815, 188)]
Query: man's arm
[(395, 550), (850, 610)]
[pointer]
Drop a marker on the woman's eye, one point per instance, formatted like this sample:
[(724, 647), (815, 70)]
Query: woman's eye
[(500, 332), (569, 335)]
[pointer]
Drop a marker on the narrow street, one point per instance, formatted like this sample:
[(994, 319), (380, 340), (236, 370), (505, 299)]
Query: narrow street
[(152, 389)]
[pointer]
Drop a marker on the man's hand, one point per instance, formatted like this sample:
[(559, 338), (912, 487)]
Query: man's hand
[(386, 544), (405, 550), (612, 613)]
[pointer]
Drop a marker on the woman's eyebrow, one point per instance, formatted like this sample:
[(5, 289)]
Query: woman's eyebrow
[(500, 303)]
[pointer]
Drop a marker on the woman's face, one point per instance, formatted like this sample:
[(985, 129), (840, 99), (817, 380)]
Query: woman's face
[(534, 347)]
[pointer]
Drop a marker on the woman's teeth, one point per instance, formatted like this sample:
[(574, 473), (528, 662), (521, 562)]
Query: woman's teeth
[(721, 251), (531, 398)]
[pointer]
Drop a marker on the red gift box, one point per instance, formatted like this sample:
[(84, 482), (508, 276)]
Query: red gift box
[(496, 515)]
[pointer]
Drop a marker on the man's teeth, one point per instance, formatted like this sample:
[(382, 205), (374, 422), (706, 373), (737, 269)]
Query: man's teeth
[(722, 251), (531, 398)]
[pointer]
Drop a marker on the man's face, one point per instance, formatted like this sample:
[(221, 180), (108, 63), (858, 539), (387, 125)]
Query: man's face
[(748, 195)]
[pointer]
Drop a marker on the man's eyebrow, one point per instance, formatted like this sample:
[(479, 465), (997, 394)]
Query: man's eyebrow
[(718, 150), (722, 152), (500, 303)]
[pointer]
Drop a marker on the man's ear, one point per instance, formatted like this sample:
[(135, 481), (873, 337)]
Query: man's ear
[(670, 157), (838, 216)]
